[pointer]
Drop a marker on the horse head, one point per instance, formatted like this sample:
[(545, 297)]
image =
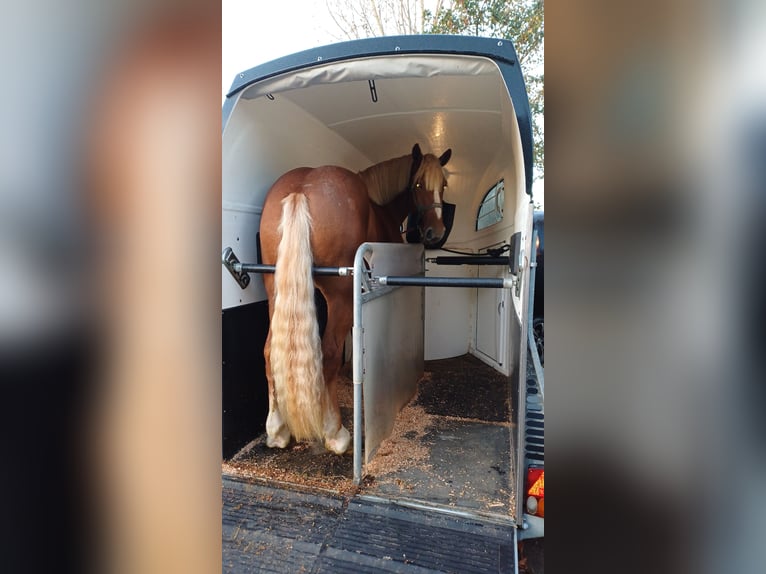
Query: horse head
[(428, 183)]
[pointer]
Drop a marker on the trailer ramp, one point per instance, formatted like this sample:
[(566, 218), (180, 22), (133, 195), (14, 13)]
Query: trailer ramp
[(272, 529)]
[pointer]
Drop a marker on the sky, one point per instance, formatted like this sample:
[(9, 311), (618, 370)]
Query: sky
[(255, 32)]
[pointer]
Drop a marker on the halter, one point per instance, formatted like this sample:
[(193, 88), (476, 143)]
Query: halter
[(416, 216), (423, 208)]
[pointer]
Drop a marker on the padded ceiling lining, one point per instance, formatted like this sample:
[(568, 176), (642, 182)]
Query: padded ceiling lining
[(439, 111), (440, 101)]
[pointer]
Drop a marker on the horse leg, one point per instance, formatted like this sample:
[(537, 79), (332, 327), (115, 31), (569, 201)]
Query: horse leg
[(277, 432), (339, 321)]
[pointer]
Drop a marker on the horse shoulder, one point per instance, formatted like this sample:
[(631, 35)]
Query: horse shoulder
[(381, 227)]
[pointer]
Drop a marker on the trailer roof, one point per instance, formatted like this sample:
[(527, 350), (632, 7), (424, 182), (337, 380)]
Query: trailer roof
[(500, 51)]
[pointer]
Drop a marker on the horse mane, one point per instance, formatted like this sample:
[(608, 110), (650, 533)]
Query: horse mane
[(430, 172), (386, 180)]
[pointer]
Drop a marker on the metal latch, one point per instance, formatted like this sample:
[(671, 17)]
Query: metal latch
[(232, 263)]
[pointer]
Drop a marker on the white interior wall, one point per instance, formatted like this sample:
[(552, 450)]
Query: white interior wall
[(448, 311), (451, 322), (314, 121), (264, 139)]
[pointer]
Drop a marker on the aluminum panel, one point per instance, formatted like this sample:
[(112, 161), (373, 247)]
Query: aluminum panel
[(396, 259), (518, 346), (388, 343), (393, 360)]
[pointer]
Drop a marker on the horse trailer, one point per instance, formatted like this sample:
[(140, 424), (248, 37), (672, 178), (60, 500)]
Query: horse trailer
[(441, 388)]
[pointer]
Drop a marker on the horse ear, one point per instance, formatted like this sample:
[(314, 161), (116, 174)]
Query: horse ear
[(445, 157), (417, 155)]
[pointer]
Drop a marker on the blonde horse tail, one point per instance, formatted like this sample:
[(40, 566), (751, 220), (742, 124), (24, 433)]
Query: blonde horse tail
[(296, 349)]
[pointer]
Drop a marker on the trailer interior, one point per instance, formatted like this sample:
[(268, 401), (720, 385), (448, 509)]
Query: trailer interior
[(454, 446)]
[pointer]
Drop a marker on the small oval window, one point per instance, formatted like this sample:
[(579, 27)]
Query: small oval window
[(491, 208)]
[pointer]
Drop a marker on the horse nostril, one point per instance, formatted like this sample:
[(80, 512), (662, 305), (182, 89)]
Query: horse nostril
[(429, 234)]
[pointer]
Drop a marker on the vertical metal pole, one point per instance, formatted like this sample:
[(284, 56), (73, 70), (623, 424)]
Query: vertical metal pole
[(531, 334), (532, 273), (358, 358), (522, 396)]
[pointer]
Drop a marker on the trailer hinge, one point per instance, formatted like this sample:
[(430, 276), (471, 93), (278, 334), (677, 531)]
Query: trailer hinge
[(232, 263)]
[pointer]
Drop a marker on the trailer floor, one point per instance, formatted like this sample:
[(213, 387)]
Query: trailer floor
[(464, 408), (451, 446), (272, 529), (437, 497)]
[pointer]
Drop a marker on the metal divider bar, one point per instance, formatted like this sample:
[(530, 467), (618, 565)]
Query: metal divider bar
[(484, 282), (263, 268), (469, 260), (241, 271)]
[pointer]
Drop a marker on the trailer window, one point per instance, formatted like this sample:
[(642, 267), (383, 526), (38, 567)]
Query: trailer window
[(491, 208)]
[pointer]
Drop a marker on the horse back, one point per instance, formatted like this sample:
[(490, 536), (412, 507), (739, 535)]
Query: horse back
[(339, 209)]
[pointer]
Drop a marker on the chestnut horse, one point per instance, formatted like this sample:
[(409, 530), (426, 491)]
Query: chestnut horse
[(320, 216)]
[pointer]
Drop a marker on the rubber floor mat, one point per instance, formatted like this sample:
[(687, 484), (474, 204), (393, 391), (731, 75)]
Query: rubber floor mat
[(269, 529)]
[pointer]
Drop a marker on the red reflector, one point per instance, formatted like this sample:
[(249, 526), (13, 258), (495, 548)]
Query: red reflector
[(536, 482)]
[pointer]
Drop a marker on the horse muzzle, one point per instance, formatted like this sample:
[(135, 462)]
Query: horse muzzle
[(415, 233), (430, 238)]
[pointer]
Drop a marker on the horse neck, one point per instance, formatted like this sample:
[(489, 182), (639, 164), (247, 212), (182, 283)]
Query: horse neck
[(386, 219), (400, 207), (386, 180)]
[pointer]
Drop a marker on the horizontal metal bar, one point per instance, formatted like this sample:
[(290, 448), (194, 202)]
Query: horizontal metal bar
[(263, 268), (469, 260), (482, 282), (497, 518)]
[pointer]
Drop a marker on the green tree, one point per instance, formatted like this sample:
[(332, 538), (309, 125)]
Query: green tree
[(366, 18), (522, 22)]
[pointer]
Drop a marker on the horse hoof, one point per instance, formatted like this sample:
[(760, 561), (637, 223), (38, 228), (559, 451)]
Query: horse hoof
[(279, 441), (277, 433), (340, 443)]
